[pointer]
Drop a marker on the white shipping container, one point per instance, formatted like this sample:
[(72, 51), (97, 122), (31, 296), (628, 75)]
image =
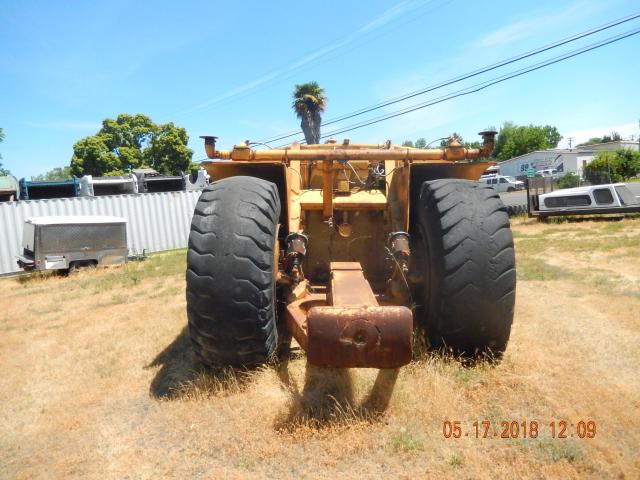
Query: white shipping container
[(155, 221)]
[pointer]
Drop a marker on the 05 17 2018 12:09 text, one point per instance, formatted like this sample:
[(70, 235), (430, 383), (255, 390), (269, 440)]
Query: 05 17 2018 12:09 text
[(585, 429)]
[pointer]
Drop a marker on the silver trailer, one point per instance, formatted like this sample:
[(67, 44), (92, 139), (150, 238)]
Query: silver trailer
[(65, 243)]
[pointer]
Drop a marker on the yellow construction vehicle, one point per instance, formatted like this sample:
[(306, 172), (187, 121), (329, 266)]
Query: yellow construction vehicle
[(355, 250)]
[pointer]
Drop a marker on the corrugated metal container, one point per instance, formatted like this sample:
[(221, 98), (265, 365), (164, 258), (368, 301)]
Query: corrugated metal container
[(155, 221)]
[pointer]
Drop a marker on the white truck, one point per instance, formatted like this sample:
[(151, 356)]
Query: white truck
[(502, 183), (549, 172)]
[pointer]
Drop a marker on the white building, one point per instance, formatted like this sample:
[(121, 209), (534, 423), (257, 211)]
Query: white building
[(618, 144), (562, 159)]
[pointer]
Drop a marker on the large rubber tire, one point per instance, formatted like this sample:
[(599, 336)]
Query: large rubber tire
[(231, 273), (468, 267)]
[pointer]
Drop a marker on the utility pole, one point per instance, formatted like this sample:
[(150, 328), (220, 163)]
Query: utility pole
[(571, 142)]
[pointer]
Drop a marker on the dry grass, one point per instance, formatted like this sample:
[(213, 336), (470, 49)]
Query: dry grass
[(97, 380)]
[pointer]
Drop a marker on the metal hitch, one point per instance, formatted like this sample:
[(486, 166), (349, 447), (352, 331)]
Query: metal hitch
[(351, 330), (350, 337)]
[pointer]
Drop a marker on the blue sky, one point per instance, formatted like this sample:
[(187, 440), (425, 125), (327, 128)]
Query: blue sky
[(228, 68)]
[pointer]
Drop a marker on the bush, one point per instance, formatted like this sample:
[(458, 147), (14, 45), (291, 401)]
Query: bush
[(568, 180), (613, 166)]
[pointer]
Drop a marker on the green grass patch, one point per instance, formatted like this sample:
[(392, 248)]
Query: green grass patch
[(517, 234), (559, 449), (470, 375), (132, 274), (614, 227), (531, 245), (608, 282), (465, 375), (405, 441), (602, 243), (456, 460), (558, 231), (536, 269)]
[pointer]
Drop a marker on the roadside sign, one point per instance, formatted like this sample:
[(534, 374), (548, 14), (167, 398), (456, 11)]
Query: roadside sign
[(531, 173)]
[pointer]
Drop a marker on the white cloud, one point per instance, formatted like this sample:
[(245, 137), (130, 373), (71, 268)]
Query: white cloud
[(420, 77), (389, 15), (508, 34), (533, 26), (626, 130)]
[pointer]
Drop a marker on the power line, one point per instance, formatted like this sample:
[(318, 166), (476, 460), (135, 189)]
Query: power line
[(484, 85), (366, 31), (466, 76)]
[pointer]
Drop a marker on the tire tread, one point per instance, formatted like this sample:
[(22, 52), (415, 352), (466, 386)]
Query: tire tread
[(230, 284), (469, 301)]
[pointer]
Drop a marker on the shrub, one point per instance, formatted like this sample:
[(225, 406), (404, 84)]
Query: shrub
[(613, 166), (568, 180)]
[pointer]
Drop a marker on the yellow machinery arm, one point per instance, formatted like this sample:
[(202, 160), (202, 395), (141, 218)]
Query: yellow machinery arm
[(347, 152)]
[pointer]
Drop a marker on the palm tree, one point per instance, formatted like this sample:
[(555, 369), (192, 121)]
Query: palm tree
[(308, 102)]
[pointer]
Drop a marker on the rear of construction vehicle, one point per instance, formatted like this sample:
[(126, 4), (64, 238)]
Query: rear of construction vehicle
[(355, 251)]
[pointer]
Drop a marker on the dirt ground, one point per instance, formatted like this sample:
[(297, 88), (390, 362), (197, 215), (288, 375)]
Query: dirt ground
[(97, 380)]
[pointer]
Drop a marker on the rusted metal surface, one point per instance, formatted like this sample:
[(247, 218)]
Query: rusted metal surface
[(349, 288), (432, 171), (397, 183), (209, 145), (296, 316), (398, 286), (488, 142), (244, 153), (327, 188), (399, 243), (362, 200), (364, 336), (345, 144), (355, 331)]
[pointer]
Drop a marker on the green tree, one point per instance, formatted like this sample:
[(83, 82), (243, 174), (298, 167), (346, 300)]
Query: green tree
[(309, 101), (91, 156), (610, 166), (472, 144), (591, 141), (614, 137), (60, 173), (552, 135), (132, 141), (168, 150), (515, 140), (422, 142), (3, 171), (445, 141)]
